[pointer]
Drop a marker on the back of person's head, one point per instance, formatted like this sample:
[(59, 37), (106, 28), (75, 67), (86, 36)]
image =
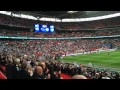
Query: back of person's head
[(42, 64), (16, 61), (79, 77), (38, 70), (3, 62), (35, 63), (24, 65), (97, 74), (10, 60), (25, 56)]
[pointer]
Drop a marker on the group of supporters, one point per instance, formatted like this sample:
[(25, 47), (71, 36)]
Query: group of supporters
[(112, 22), (52, 49), (40, 59), (27, 67), (5, 32)]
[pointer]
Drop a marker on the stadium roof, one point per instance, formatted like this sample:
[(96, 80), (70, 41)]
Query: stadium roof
[(66, 14)]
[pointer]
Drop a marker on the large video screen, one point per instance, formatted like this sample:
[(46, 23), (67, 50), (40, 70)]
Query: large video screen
[(44, 28)]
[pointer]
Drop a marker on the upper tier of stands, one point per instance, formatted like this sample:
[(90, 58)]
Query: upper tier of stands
[(4, 19)]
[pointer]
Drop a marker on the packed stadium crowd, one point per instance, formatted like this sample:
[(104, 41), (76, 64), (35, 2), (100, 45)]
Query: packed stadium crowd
[(26, 67), (90, 25), (39, 59), (47, 47), (5, 32)]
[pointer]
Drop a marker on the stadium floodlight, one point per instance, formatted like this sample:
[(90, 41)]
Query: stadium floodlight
[(17, 15), (62, 20), (91, 18), (50, 19), (28, 17), (72, 12), (5, 12)]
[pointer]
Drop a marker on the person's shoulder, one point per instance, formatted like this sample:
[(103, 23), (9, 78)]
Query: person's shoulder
[(2, 76)]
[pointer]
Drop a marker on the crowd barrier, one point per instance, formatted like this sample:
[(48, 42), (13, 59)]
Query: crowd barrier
[(66, 38)]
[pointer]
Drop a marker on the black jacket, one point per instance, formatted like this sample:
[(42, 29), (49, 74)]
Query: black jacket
[(24, 74)]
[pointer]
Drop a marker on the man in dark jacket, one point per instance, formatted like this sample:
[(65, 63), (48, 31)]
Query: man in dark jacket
[(24, 74)]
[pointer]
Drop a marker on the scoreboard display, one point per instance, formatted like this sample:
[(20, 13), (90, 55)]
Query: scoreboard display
[(43, 28)]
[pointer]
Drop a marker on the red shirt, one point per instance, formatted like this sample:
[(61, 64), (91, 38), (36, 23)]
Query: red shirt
[(2, 76), (3, 68)]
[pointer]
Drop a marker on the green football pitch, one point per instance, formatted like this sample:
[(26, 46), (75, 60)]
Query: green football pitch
[(102, 59)]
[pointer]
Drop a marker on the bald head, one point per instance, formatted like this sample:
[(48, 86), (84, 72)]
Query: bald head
[(79, 77), (38, 70)]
